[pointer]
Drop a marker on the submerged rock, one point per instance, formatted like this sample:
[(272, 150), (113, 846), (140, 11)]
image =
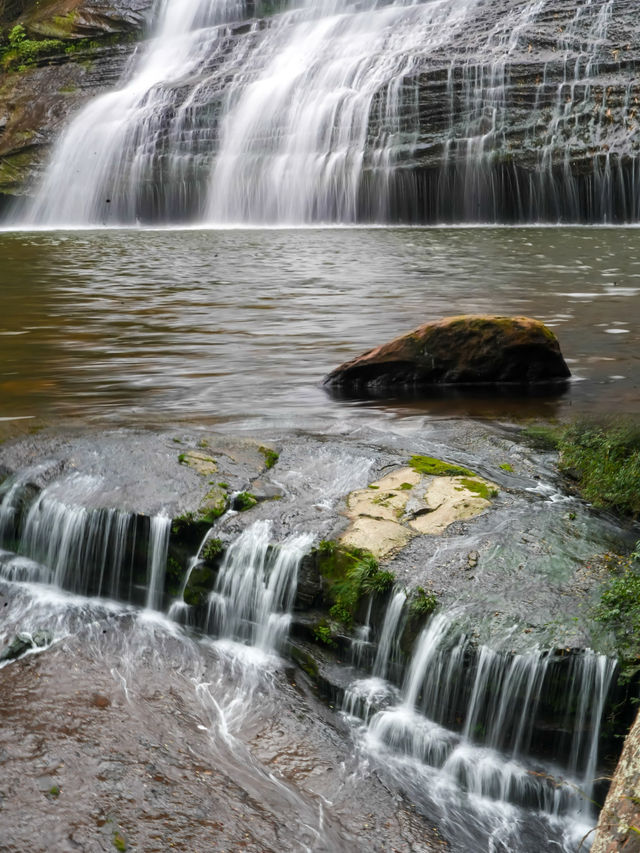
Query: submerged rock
[(467, 350), (23, 642)]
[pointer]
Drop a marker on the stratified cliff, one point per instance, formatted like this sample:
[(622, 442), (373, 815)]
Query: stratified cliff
[(518, 110)]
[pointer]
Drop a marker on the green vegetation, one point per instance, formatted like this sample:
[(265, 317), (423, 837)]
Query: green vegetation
[(119, 842), (349, 574), (54, 791), (480, 488), (619, 611), (174, 573), (270, 456), (605, 461), (406, 487), (423, 602), (506, 467), (244, 501), (199, 585), (20, 52), (438, 468), (183, 458), (212, 550), (322, 633), (543, 437)]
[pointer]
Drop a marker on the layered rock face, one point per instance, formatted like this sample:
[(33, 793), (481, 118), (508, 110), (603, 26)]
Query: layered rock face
[(514, 110)]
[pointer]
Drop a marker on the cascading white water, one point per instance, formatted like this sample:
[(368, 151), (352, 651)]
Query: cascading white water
[(105, 167), (466, 717), (62, 540), (318, 114), (159, 530), (256, 587), (389, 635)]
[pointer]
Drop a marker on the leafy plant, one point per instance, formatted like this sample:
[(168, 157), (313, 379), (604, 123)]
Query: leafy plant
[(244, 501), (423, 602), (212, 549)]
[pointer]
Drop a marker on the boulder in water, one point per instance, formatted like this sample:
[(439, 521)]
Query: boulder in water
[(468, 350)]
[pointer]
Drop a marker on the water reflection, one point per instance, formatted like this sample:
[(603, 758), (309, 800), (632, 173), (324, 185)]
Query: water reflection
[(243, 325)]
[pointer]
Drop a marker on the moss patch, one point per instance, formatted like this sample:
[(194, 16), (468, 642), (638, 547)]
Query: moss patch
[(437, 467), (270, 456), (244, 501), (479, 487)]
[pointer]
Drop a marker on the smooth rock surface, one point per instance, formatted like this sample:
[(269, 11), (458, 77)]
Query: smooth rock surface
[(463, 350)]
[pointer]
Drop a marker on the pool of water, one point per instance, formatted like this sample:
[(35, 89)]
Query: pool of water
[(153, 326)]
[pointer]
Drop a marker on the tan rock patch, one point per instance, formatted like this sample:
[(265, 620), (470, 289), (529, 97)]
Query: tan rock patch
[(404, 504), (200, 462)]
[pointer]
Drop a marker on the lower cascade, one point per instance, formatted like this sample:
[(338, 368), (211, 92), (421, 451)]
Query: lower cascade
[(435, 111), (499, 747)]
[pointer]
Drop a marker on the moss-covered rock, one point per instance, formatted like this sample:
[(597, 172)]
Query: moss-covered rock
[(464, 350)]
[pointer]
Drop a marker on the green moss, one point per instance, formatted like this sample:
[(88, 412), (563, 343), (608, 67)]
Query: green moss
[(20, 52), (119, 841), (200, 583), (371, 486), (349, 574), (212, 550), (438, 468), (54, 791), (69, 89), (423, 602), (174, 574), (506, 467), (244, 501), (480, 488), (270, 456), (406, 486), (305, 662), (224, 486), (183, 458)]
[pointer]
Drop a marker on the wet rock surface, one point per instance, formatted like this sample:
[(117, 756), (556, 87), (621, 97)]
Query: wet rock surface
[(468, 350), (121, 741)]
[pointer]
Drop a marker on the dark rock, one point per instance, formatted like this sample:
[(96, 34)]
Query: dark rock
[(20, 644), (309, 589), (468, 350)]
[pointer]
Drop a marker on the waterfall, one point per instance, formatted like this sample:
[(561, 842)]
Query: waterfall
[(60, 539), (490, 729), (335, 111), (255, 588), (159, 530), (389, 636)]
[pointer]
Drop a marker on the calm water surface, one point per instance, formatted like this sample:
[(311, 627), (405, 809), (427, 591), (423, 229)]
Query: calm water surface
[(230, 326)]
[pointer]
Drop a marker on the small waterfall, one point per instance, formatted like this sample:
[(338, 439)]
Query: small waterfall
[(57, 537), (489, 726), (85, 549), (391, 630), (256, 587), (159, 530)]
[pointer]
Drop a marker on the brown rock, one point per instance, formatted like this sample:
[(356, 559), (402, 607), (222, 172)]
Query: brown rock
[(465, 350)]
